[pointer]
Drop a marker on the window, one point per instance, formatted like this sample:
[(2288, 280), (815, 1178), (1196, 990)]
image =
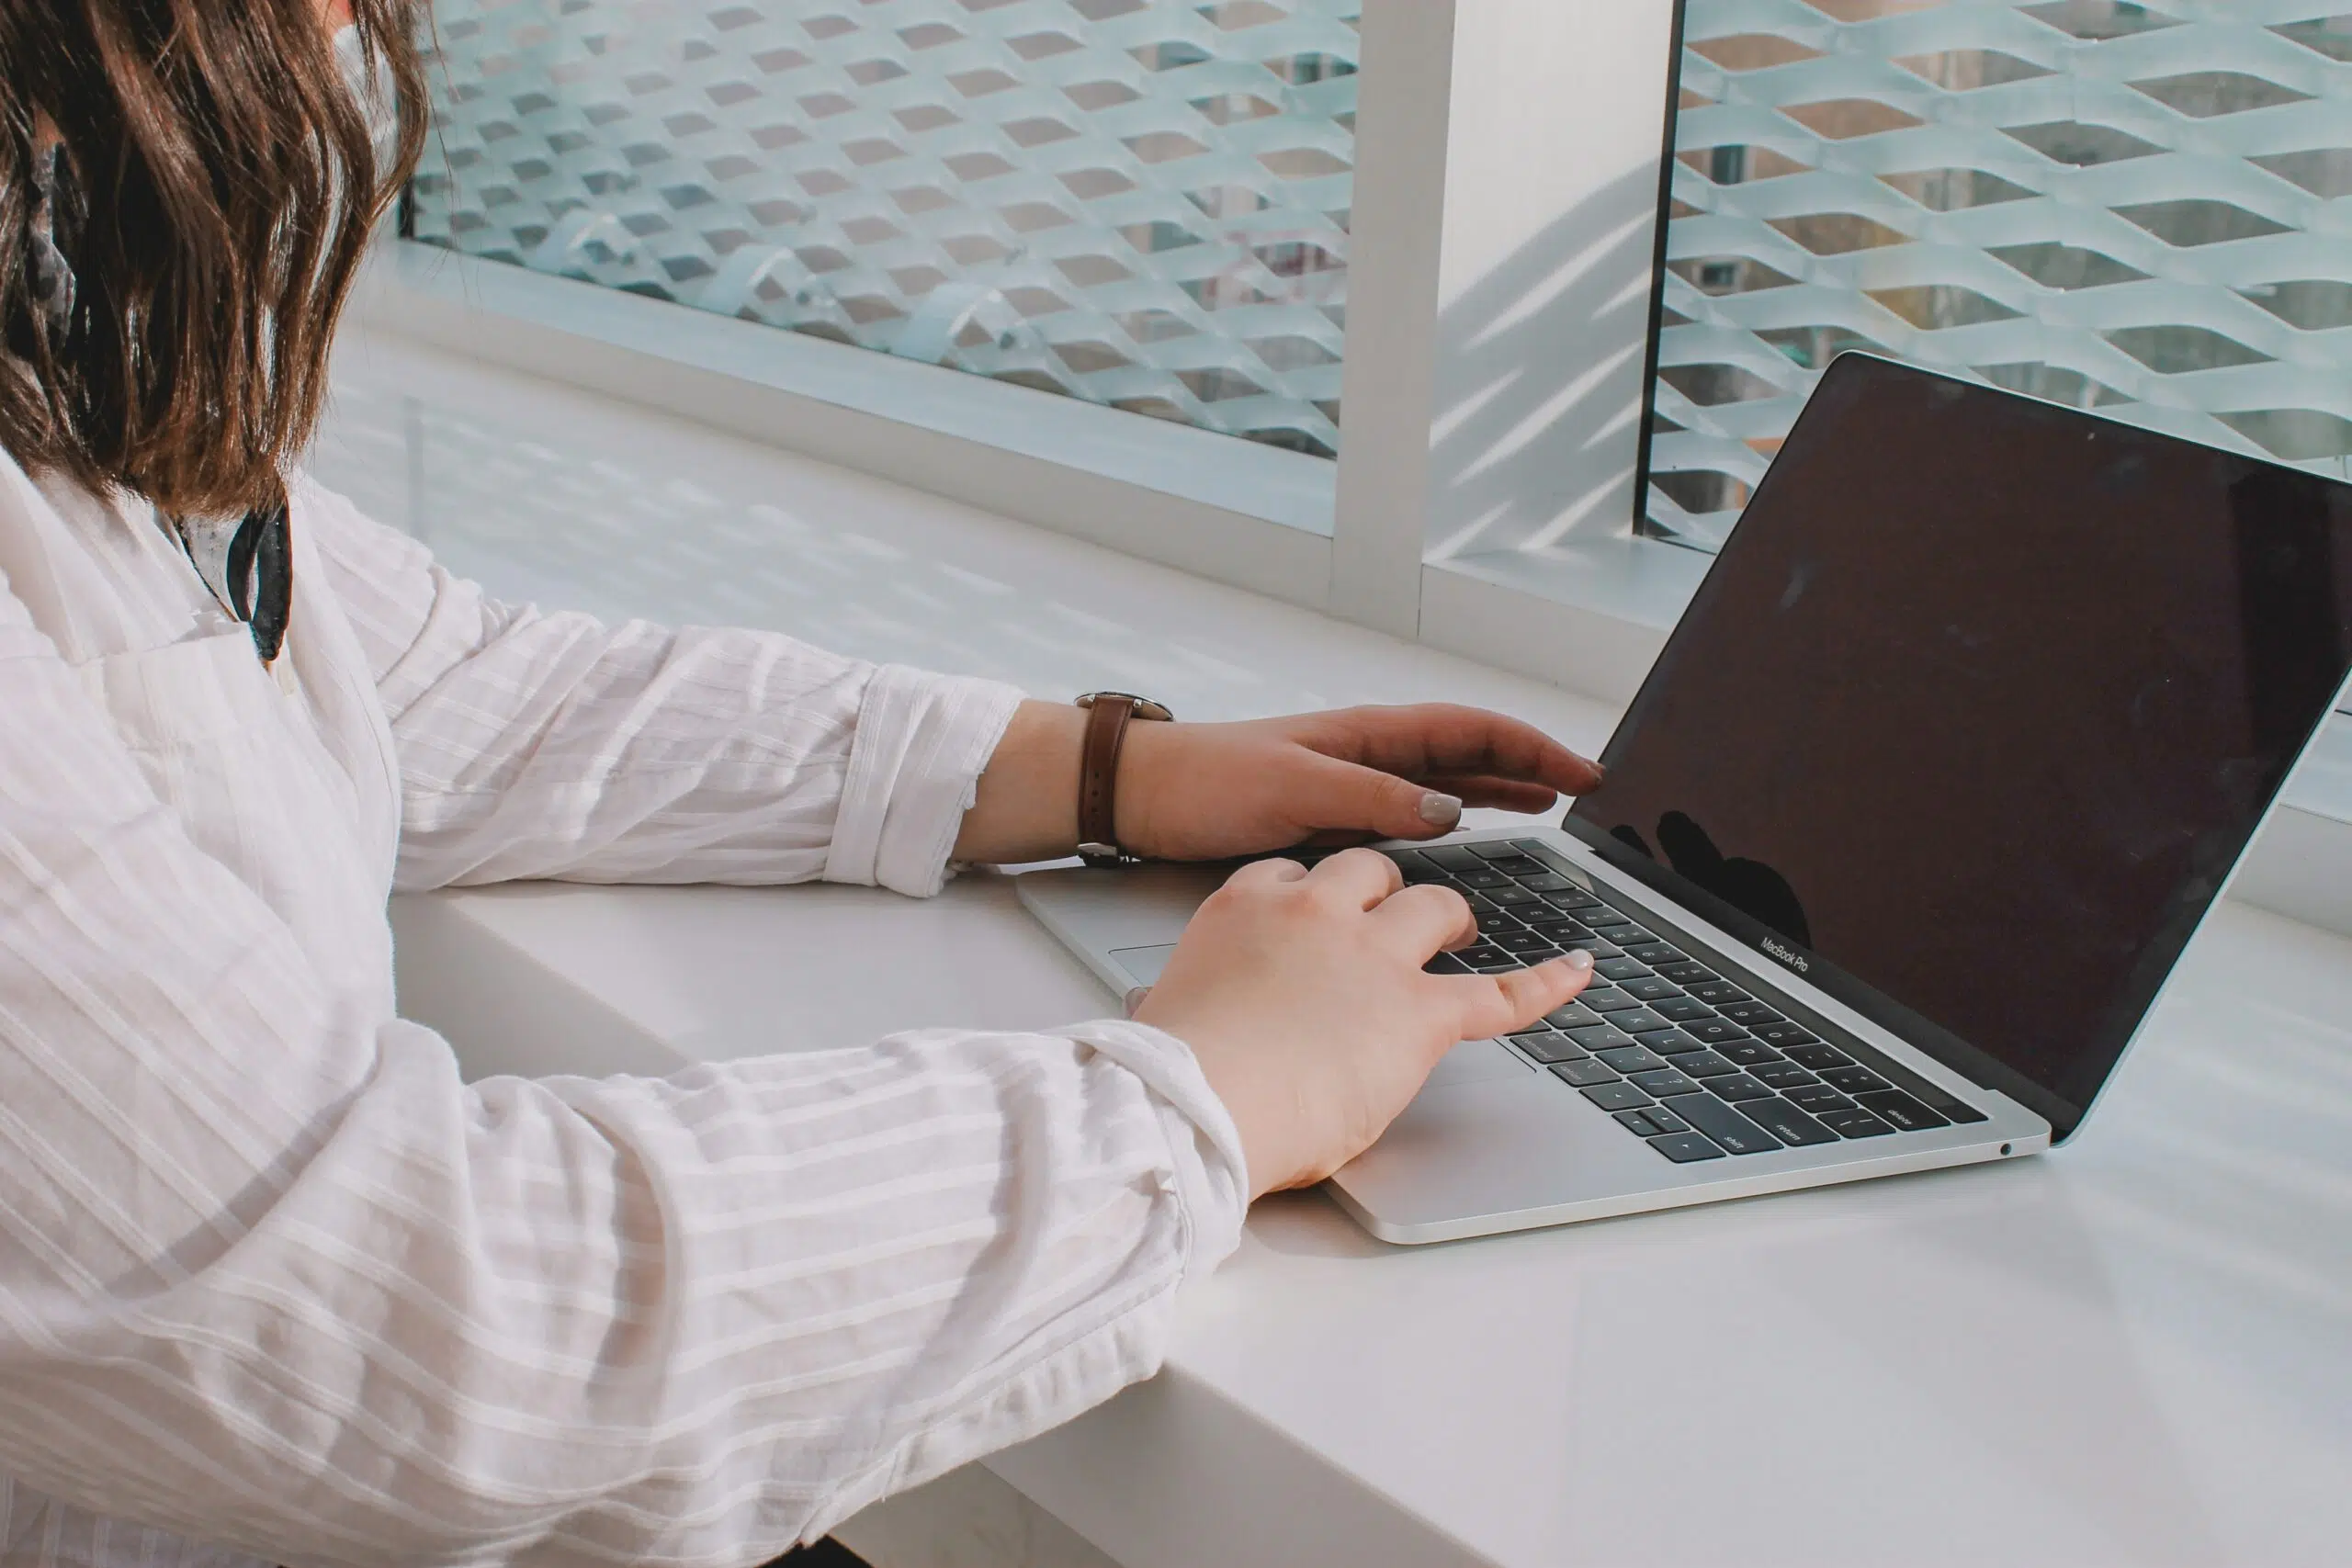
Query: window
[(1455, 216), (2131, 208), (1137, 203)]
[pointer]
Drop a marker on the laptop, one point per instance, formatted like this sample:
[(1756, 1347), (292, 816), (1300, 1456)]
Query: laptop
[(1963, 736)]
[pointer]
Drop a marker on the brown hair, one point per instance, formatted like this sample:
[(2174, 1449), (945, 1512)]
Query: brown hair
[(214, 194)]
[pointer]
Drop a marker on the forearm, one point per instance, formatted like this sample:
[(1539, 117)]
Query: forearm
[(1026, 805)]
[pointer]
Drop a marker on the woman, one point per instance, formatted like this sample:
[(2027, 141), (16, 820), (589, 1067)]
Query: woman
[(274, 1283)]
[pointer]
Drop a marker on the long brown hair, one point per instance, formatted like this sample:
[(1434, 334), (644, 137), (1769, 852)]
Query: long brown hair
[(213, 198)]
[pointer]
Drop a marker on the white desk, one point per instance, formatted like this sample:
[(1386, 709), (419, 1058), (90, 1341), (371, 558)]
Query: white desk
[(2137, 1350)]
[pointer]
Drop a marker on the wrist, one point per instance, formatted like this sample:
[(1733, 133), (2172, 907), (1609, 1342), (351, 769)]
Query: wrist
[(1025, 807)]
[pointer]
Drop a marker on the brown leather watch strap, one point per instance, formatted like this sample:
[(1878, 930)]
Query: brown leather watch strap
[(1108, 716)]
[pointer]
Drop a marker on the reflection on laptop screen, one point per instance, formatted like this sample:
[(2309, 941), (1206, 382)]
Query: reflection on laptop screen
[(1981, 702)]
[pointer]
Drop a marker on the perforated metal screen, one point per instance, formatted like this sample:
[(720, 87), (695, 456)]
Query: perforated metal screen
[(1143, 203), (2139, 208)]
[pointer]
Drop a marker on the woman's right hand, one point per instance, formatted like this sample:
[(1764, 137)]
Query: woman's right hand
[(1303, 997)]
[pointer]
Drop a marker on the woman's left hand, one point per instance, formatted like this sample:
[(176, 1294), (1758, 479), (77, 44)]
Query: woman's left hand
[(1214, 791)]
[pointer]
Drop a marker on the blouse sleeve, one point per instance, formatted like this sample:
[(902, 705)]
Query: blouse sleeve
[(538, 745), (273, 1277)]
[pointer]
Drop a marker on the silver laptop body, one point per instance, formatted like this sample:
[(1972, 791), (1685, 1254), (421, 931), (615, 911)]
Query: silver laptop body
[(2161, 751), (1495, 1142)]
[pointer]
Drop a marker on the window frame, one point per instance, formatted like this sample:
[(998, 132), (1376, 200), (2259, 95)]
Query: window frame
[(1481, 511)]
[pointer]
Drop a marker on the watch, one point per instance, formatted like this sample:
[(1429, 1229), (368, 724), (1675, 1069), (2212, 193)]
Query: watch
[(1108, 714)]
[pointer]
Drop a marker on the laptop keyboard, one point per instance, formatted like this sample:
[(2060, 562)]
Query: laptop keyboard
[(1698, 1065)]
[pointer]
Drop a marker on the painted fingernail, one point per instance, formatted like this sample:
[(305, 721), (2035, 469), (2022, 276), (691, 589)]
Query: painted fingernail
[(1579, 960), (1442, 810)]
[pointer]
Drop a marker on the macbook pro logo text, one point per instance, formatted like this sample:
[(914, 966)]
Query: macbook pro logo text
[(1794, 960)]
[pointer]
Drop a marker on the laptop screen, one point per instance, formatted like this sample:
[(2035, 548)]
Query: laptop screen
[(1978, 708)]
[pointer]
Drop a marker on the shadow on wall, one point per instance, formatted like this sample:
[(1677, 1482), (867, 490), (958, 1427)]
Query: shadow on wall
[(1539, 404)]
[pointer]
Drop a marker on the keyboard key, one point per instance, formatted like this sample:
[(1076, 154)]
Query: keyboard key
[(1600, 948), (1749, 1053), (1518, 866), (1567, 933), (1655, 953), (1820, 1099), (1727, 1127), (1638, 1123), (1682, 1010), (1622, 969), (1481, 880), (1601, 1037), (1749, 1014), (1632, 1059), (1719, 991), (1650, 989), (1855, 1124), (1521, 940), (1668, 1043), (1666, 1081), (1493, 920), (1684, 1148), (1704, 1065), (1640, 1021), (1449, 857), (1816, 1056), (1606, 999), (1665, 1121), (1739, 1085), (1685, 973), (1783, 1033), (1786, 1122), (1548, 883), (1908, 1115), (1616, 1096), (1570, 1016), (1572, 898), (1784, 1075), (1714, 1031), (1446, 963), (1487, 959), (1584, 1074), (1493, 849), (1547, 1047), (1515, 898), (1606, 919), (1854, 1080)]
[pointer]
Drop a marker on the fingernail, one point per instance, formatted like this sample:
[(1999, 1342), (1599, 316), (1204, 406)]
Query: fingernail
[(1442, 810), (1580, 961)]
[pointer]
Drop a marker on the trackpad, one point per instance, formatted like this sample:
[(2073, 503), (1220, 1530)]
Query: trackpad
[(1144, 963), (1476, 1061)]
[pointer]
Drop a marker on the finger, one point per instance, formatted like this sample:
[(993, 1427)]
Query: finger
[(1428, 919), (1440, 738), (1363, 878), (1259, 872), (1338, 796), (1505, 794), (1496, 1004)]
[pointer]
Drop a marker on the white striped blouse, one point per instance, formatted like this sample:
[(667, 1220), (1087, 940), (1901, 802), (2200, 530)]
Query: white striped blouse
[(276, 1285)]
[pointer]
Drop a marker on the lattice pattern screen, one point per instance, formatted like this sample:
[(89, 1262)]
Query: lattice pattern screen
[(1143, 203), (2134, 207)]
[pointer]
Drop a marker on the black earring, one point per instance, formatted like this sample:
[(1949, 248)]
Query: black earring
[(52, 275)]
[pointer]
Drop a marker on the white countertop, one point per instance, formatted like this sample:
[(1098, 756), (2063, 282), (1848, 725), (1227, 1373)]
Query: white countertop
[(2137, 1350)]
